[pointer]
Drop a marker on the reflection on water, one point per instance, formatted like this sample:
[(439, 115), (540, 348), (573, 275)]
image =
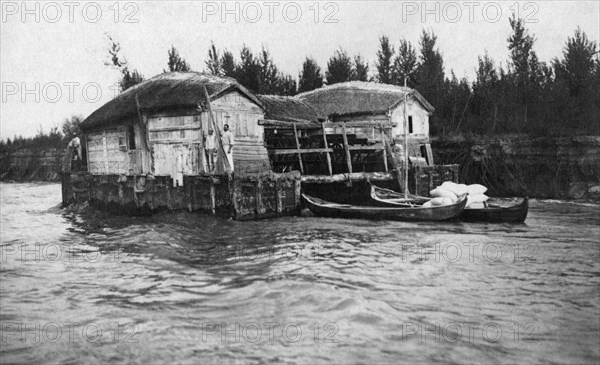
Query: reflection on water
[(84, 286)]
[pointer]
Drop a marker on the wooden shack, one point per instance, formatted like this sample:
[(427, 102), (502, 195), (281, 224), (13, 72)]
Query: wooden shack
[(146, 128), (365, 107), (145, 150), (363, 133)]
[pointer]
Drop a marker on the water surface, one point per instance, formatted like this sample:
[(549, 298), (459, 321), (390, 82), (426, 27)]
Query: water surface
[(79, 285)]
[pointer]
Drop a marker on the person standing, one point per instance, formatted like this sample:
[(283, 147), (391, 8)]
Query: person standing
[(211, 148), (227, 139)]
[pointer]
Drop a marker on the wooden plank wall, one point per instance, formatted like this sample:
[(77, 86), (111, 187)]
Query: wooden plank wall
[(181, 132), (174, 135), (104, 154), (242, 115)]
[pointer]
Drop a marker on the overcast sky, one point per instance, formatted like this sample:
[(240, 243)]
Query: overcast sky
[(52, 54)]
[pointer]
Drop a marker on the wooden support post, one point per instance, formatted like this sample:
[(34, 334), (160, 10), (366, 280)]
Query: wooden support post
[(220, 149), (385, 162), (259, 192), (297, 194), (279, 194), (346, 147), (429, 155), (298, 147), (399, 172), (327, 154), (233, 195), (213, 200), (188, 193), (168, 192)]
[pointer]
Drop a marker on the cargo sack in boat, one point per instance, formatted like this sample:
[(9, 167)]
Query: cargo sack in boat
[(440, 192), (476, 189), (479, 198), (436, 202), (456, 189), (475, 206)]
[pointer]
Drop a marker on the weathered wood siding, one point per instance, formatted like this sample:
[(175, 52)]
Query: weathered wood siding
[(420, 118), (173, 136), (371, 132), (180, 133), (242, 115), (106, 156)]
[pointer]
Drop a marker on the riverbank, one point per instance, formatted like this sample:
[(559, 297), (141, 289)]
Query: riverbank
[(513, 165), (545, 167), (31, 165)]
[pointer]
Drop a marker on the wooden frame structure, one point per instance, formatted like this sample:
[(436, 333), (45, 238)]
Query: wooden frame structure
[(326, 148)]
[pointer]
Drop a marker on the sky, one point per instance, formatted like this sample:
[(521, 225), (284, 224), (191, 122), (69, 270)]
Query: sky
[(52, 54)]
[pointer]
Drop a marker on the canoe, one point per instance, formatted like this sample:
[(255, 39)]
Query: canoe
[(498, 211), (386, 197), (323, 208)]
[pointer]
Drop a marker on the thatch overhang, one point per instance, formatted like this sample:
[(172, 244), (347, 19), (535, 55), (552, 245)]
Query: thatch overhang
[(360, 98), (284, 111), (167, 91)]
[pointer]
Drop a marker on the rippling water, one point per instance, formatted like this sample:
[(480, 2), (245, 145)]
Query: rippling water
[(85, 286)]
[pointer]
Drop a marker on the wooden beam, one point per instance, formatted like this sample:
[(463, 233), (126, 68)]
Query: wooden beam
[(385, 163), (395, 165), (366, 148), (298, 147), (174, 128), (339, 178), (346, 147), (429, 154), (358, 124), (292, 151), (300, 124), (221, 150), (326, 145)]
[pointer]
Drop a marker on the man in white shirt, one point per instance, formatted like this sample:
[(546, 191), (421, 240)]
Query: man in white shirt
[(76, 144), (227, 139), (211, 148)]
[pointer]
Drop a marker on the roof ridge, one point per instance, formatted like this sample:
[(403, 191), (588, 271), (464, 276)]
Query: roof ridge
[(360, 85)]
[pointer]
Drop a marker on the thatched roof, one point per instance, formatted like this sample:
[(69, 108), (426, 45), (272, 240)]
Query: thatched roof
[(288, 109), (165, 91), (358, 97)]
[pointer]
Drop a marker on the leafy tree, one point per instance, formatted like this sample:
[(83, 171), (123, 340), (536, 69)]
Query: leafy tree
[(269, 74), (129, 77), (71, 127), (577, 66), (339, 68), (247, 72), (361, 69), (485, 94), (384, 64), (405, 64), (272, 81), (213, 63), (287, 85), (176, 62), (228, 65), (310, 78), (525, 67), (430, 71)]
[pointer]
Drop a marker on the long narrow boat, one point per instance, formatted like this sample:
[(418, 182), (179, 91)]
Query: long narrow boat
[(498, 211), (406, 212), (385, 197)]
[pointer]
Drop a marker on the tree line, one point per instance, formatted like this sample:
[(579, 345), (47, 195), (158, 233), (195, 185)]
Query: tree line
[(561, 97), (527, 96), (55, 138)]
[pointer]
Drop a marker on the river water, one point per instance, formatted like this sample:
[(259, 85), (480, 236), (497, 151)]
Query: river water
[(79, 285)]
